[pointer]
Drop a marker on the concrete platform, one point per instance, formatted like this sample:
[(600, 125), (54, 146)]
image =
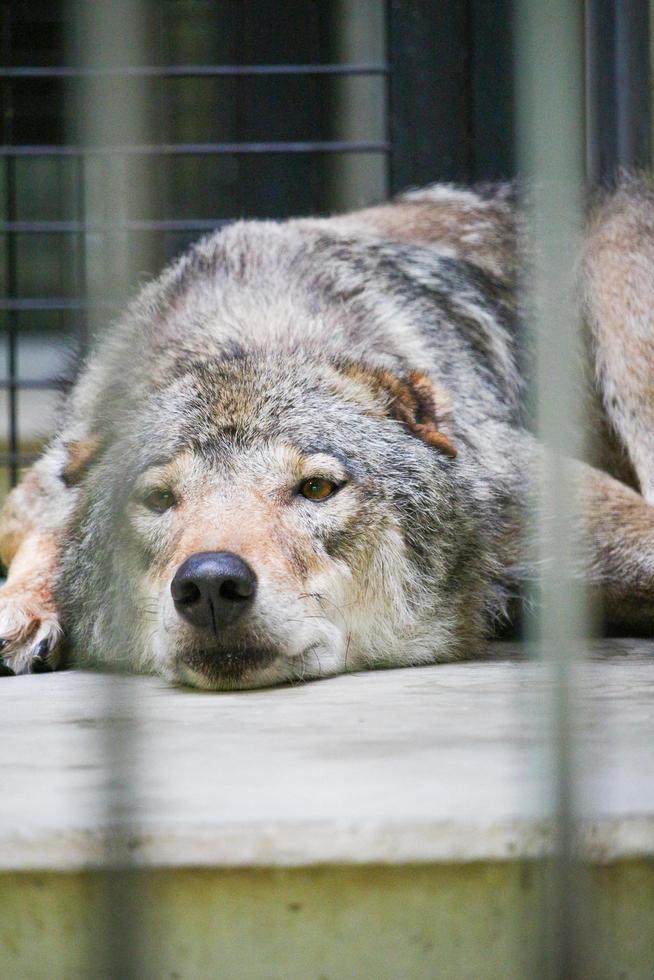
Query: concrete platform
[(318, 830)]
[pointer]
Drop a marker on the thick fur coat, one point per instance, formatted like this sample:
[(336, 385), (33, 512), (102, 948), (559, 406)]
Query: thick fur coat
[(334, 405)]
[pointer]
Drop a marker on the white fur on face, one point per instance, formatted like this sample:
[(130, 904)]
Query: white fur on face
[(296, 615), (325, 619), (305, 629)]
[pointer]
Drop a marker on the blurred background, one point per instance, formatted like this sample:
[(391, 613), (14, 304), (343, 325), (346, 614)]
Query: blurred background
[(254, 109)]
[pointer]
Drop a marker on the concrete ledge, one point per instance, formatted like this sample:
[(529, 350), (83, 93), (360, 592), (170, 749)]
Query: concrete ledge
[(290, 845), (441, 763), (376, 825)]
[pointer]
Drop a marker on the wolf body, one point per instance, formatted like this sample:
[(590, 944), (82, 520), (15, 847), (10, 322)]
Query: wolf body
[(302, 450)]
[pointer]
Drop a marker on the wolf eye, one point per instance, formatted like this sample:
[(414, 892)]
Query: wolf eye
[(317, 488), (159, 500)]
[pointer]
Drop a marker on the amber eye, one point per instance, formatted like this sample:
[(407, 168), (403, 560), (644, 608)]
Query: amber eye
[(317, 488), (159, 500)]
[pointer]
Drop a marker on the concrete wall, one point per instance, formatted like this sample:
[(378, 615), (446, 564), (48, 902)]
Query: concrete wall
[(476, 921)]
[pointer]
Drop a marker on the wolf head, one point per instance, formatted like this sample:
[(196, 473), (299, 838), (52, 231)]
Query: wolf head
[(276, 493), (272, 519)]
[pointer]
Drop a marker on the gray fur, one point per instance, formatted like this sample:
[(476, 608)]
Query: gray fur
[(235, 345), (260, 352)]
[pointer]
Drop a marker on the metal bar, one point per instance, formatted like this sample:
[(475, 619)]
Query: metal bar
[(549, 84), (356, 109), (77, 227), (32, 384), (11, 258), (191, 71), (389, 84), (618, 100), (12, 333), (112, 33), (80, 250), (16, 305), (238, 126), (190, 149)]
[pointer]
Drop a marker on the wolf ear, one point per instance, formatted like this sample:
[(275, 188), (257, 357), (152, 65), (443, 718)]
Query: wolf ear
[(80, 454), (413, 400)]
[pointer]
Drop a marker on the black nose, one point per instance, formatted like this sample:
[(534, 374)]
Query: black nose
[(211, 589)]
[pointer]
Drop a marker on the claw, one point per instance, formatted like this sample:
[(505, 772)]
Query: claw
[(42, 649), (29, 633), (40, 663)]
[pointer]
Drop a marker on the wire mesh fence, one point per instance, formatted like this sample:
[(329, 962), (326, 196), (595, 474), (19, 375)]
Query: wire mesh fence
[(221, 141)]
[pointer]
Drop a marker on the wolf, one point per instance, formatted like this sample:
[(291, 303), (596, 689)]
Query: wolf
[(302, 450)]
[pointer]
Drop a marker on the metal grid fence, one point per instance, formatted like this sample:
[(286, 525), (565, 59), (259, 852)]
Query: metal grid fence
[(20, 87)]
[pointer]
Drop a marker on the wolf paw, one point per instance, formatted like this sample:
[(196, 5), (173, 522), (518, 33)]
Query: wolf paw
[(30, 632)]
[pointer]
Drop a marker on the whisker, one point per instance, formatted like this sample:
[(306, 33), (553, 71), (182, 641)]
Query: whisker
[(323, 598), (306, 618)]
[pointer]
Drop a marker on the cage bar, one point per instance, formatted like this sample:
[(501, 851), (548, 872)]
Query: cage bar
[(549, 82), (191, 71), (618, 94), (186, 149)]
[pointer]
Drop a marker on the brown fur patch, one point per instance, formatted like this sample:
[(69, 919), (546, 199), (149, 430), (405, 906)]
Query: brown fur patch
[(17, 517), (81, 454), (413, 400), (33, 571), (617, 528), (482, 232), (619, 299)]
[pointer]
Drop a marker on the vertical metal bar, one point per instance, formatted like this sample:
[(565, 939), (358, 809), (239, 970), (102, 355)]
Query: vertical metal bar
[(80, 256), (549, 59), (358, 34), (633, 76), (11, 264), (76, 91), (240, 131), (618, 97), (12, 329), (388, 100), (115, 34)]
